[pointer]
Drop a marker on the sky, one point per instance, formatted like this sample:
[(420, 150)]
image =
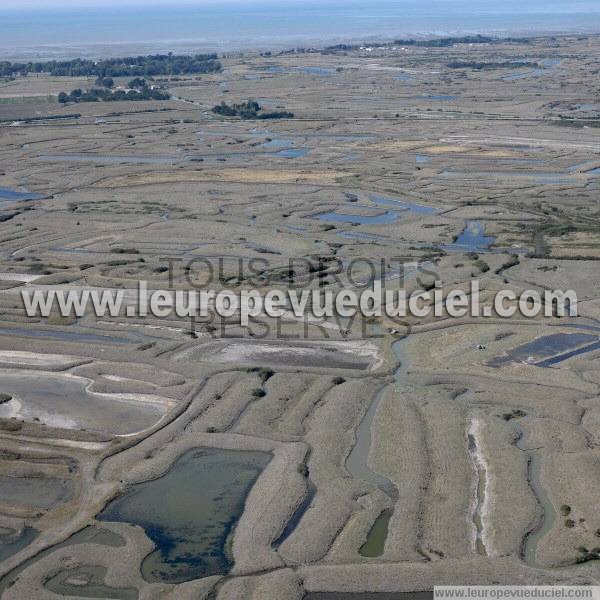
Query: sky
[(51, 4)]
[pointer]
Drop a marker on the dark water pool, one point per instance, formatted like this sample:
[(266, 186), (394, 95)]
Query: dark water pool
[(190, 512), (549, 349)]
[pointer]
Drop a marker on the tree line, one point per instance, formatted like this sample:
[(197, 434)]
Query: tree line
[(131, 66)]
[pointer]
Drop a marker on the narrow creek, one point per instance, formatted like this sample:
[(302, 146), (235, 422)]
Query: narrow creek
[(358, 466), (546, 513)]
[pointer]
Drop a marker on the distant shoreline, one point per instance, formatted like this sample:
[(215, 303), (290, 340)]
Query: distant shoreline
[(263, 26), (97, 51)]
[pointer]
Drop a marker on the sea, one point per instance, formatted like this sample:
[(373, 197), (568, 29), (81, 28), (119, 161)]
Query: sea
[(230, 25)]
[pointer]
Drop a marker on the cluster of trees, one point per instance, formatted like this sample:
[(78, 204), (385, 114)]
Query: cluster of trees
[(465, 39), (249, 110), (105, 94), (130, 66), (137, 83), (430, 43), (106, 82), (447, 41), (340, 48), (487, 66)]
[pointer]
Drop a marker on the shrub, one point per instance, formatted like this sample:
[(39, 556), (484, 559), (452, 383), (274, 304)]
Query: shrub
[(105, 82), (303, 470), (565, 510), (482, 265), (517, 414), (265, 374)]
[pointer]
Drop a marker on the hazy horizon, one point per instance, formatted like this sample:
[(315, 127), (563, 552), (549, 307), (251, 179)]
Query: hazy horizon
[(79, 4), (568, 5), (34, 29)]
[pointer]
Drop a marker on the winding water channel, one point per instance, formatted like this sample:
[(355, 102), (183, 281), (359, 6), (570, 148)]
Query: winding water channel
[(358, 466), (546, 513)]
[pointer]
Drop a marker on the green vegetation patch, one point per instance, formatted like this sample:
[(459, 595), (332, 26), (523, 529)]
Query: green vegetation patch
[(129, 66), (249, 110)]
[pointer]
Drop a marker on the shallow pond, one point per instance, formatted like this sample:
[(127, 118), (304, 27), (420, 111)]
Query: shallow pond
[(539, 177), (66, 336), (87, 581), (191, 529), (546, 349), (292, 153), (472, 239), (417, 209), (11, 544), (322, 72), (275, 69), (38, 492), (363, 236), (549, 362), (375, 543), (354, 219), (88, 535), (10, 194), (58, 400), (339, 137), (523, 75), (389, 216), (278, 143), (109, 159), (439, 97), (294, 228)]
